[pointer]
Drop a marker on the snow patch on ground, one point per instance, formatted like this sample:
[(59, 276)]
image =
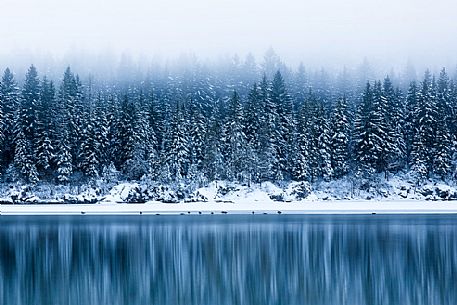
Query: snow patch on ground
[(396, 188)]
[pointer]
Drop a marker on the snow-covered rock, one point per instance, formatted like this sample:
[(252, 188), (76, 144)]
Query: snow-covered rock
[(298, 190), (126, 192)]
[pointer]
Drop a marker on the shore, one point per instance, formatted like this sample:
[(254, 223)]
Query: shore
[(221, 208)]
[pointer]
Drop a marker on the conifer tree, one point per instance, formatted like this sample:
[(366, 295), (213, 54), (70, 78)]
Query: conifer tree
[(269, 167), (252, 116), (382, 133), (197, 135), (395, 122), (125, 132), (45, 113), (301, 146), (340, 139), (364, 135), (214, 164), (410, 122), (443, 139), (318, 140), (235, 141), (23, 162), (90, 163), (9, 97), (177, 158), (425, 114), (285, 123), (63, 158), (26, 127), (70, 96)]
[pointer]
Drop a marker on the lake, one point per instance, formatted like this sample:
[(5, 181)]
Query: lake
[(228, 259)]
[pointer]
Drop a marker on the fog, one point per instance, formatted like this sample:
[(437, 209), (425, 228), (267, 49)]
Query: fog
[(333, 33)]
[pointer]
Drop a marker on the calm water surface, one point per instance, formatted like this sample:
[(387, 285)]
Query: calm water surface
[(217, 260)]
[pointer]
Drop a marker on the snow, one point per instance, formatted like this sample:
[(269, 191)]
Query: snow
[(120, 192), (242, 207), (398, 194)]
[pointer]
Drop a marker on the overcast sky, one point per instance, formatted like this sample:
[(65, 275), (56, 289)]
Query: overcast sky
[(333, 31)]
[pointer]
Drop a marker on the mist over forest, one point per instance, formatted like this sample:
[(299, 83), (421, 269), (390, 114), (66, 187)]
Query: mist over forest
[(238, 120), (125, 67)]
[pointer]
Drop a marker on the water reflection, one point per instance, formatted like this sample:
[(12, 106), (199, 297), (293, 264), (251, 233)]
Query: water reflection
[(217, 260)]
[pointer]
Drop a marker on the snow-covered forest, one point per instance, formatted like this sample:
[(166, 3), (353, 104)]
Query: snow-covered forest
[(258, 123)]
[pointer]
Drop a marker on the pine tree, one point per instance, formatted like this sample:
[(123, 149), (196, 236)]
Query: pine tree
[(177, 157), (301, 148), (65, 126), (144, 155), (23, 162), (425, 115), (112, 132), (26, 127), (30, 100), (45, 113), (410, 121), (197, 135), (63, 158), (366, 147), (269, 168), (90, 163), (443, 140), (214, 164), (395, 122), (101, 132), (9, 97), (285, 123), (235, 141), (125, 141), (70, 97), (252, 116), (383, 134), (318, 140), (340, 139)]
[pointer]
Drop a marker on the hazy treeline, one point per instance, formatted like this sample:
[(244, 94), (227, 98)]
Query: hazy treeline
[(199, 126)]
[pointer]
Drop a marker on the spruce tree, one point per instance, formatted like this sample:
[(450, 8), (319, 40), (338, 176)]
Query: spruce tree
[(70, 99), (410, 120), (26, 128), (340, 139), (425, 116), (443, 139), (90, 162), (177, 156), (300, 168), (10, 100), (23, 162), (365, 140), (269, 167), (144, 158), (45, 114), (285, 123), (383, 139), (125, 140), (395, 123), (235, 140), (214, 163), (197, 134)]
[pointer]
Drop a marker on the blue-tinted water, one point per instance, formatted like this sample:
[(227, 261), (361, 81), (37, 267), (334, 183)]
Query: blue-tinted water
[(217, 260)]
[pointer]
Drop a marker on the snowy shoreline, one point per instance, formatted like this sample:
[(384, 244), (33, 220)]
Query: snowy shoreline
[(218, 208), (218, 198)]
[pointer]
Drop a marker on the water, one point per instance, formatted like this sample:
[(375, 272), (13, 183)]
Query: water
[(236, 260)]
